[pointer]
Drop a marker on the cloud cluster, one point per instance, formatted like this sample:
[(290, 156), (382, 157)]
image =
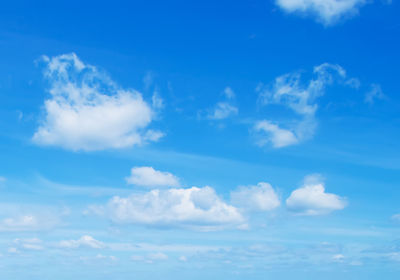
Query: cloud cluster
[(192, 207), (289, 91), (311, 199), (86, 110), (327, 12), (149, 177)]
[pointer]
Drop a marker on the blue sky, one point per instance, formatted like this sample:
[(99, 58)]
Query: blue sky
[(186, 140)]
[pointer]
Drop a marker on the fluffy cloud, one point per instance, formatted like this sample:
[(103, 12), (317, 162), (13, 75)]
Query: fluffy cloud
[(311, 199), (198, 208), (288, 91), (86, 110), (255, 198), (149, 177), (327, 12), (85, 241)]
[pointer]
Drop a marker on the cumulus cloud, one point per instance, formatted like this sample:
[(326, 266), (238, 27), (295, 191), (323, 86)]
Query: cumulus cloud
[(149, 177), (311, 199), (289, 91), (327, 12), (86, 110), (261, 197), (375, 93), (197, 208), (85, 241)]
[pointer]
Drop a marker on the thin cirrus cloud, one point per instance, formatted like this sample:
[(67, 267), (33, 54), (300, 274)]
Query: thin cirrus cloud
[(311, 199), (301, 98), (25, 223), (193, 208), (327, 12), (261, 197), (146, 176), (86, 110)]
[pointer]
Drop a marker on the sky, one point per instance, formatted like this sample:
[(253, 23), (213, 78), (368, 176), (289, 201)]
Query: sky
[(200, 139)]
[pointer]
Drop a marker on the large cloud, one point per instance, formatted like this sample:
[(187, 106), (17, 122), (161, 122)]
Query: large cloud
[(86, 110), (327, 12), (289, 91), (255, 198), (311, 199), (198, 208), (149, 177)]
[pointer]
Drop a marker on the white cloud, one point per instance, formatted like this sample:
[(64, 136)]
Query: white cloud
[(149, 177), (85, 241), (229, 93), (311, 199), (255, 198), (88, 111), (374, 94), (288, 91), (277, 136), (327, 12), (222, 111), (34, 244), (225, 109), (20, 223), (197, 208)]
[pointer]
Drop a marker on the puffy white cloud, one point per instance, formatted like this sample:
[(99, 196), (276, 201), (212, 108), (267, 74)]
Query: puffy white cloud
[(255, 198), (374, 94), (288, 91), (86, 110), (149, 177), (327, 12), (197, 208), (85, 241), (311, 199), (273, 133)]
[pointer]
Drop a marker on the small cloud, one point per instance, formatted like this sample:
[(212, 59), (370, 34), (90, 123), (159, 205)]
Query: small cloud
[(149, 177), (311, 199), (222, 111), (273, 133), (85, 241), (374, 94), (327, 12), (229, 93)]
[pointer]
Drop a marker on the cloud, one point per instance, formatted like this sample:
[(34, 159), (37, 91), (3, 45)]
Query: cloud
[(34, 244), (20, 223), (375, 93), (311, 199), (149, 177), (196, 208), (222, 111), (277, 136), (255, 198), (289, 91), (327, 12), (225, 109), (85, 241), (86, 110)]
